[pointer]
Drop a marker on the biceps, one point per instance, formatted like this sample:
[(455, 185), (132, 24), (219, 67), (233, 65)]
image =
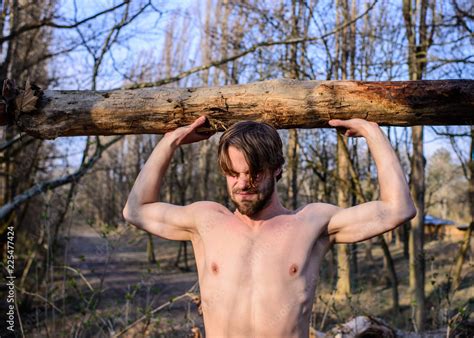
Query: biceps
[(165, 220), (361, 222)]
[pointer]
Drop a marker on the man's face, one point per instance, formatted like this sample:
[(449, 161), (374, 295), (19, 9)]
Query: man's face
[(248, 199)]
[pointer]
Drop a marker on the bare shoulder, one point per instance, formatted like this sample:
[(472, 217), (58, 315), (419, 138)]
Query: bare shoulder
[(205, 210), (208, 206), (320, 210), (318, 216)]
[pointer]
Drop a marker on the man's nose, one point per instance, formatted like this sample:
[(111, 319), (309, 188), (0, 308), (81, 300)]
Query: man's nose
[(243, 181)]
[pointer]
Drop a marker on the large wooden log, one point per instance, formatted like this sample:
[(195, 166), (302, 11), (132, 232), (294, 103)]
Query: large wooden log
[(282, 103)]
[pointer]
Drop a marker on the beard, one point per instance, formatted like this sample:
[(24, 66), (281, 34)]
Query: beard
[(252, 206)]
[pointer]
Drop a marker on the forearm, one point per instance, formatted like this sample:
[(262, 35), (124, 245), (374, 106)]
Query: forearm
[(146, 188), (393, 186)]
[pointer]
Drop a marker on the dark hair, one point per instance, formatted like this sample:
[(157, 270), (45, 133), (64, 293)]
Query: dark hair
[(260, 144)]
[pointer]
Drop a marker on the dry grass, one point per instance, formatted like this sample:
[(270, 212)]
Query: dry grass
[(373, 296), (132, 287)]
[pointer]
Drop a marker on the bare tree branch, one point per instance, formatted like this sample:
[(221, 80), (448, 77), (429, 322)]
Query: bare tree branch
[(246, 52), (49, 23), (51, 184), (189, 293)]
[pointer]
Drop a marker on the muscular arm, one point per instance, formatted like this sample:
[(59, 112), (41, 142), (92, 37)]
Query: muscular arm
[(395, 205), (143, 208)]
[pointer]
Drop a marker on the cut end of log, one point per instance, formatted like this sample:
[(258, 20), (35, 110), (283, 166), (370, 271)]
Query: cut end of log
[(15, 101), (27, 99)]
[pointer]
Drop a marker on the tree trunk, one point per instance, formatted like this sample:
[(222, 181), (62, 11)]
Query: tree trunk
[(344, 271), (292, 169), (391, 274), (419, 41), (150, 251), (294, 73), (406, 237), (343, 285), (467, 236), (282, 103), (343, 259), (416, 240)]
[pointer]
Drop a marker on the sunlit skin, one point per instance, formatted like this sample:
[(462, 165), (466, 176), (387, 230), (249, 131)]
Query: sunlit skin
[(258, 266)]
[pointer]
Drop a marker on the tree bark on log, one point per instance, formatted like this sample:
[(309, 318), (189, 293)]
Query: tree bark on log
[(282, 103)]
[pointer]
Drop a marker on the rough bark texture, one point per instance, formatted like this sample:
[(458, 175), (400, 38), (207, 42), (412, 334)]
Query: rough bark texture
[(282, 103)]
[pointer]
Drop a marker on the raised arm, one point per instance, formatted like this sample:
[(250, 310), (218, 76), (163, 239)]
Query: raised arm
[(143, 208), (395, 206)]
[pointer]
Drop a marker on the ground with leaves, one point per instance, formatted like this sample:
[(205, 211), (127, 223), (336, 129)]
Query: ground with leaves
[(111, 284)]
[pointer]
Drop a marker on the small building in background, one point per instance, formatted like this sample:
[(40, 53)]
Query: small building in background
[(439, 228)]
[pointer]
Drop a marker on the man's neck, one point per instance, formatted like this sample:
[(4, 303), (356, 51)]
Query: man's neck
[(272, 209)]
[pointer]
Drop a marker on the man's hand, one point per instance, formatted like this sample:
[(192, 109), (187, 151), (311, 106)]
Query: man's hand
[(354, 127), (188, 134)]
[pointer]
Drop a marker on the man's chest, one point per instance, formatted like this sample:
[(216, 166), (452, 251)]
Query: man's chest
[(280, 251)]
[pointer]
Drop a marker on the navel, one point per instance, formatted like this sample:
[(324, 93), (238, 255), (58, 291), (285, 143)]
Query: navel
[(293, 269), (214, 268)]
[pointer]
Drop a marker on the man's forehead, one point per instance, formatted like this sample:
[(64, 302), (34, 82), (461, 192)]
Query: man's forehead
[(237, 160)]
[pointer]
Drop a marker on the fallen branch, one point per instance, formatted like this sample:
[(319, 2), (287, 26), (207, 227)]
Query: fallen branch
[(40, 297), (80, 275), (51, 184), (188, 293), (282, 103)]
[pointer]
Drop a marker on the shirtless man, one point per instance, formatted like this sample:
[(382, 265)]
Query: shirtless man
[(258, 266)]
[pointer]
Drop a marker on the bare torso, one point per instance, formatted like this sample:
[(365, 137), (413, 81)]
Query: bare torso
[(258, 282)]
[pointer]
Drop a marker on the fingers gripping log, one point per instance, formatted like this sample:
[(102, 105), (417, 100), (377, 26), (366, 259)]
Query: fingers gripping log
[(282, 103)]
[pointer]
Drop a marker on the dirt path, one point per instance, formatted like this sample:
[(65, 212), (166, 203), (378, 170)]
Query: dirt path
[(130, 283)]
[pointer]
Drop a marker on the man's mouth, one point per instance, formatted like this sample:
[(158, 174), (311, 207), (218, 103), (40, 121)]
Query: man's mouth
[(245, 193)]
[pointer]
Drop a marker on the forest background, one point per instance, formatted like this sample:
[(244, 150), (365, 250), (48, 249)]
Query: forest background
[(79, 268)]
